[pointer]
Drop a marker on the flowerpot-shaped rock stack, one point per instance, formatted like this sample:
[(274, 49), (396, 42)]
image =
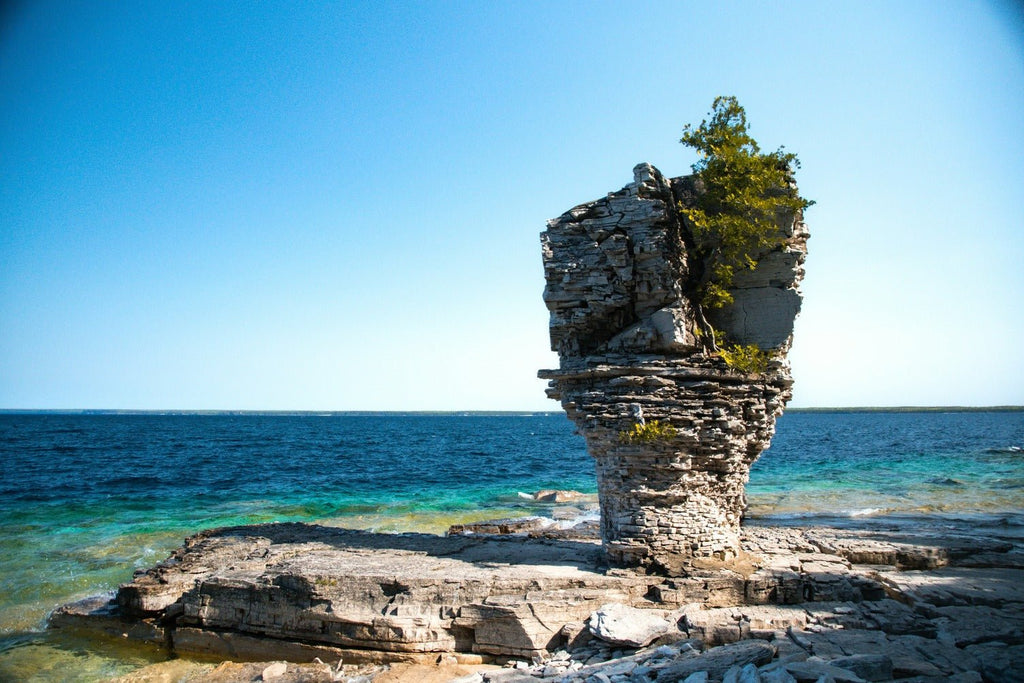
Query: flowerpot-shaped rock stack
[(626, 332)]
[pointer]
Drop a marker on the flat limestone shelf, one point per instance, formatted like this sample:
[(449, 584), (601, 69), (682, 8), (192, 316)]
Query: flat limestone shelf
[(298, 591), (353, 589)]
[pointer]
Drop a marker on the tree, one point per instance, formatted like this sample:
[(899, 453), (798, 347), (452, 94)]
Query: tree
[(743, 193)]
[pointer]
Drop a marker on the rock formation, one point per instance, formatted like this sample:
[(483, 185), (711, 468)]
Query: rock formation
[(919, 604), (628, 338)]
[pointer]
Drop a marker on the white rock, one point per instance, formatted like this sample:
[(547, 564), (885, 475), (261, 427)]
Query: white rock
[(275, 670), (622, 667), (630, 626)]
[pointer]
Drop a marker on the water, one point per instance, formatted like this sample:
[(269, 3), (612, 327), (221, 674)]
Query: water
[(86, 499), (831, 466)]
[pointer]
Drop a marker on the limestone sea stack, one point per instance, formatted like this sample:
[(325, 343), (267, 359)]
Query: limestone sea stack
[(629, 335)]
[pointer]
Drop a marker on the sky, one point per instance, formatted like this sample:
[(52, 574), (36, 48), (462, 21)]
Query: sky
[(336, 206)]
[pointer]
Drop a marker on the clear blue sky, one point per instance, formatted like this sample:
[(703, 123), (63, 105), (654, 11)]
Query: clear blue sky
[(269, 205)]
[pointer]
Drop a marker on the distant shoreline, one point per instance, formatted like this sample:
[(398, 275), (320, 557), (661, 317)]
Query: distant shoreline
[(475, 413)]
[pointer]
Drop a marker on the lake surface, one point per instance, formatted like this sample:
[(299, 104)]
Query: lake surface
[(86, 499)]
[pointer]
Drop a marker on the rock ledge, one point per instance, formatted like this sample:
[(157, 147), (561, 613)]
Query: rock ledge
[(297, 592)]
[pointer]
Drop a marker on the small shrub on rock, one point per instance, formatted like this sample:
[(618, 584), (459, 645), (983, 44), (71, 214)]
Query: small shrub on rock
[(655, 430), (747, 358)]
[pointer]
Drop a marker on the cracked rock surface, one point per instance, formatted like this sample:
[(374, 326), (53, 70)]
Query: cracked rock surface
[(942, 604)]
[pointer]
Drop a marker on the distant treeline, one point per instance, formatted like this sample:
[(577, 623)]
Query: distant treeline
[(295, 413), (912, 409), (483, 413)]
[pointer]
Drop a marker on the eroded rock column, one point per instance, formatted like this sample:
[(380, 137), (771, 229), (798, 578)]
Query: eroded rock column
[(625, 331)]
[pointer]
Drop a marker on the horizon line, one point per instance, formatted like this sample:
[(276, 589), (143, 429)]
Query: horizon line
[(356, 413)]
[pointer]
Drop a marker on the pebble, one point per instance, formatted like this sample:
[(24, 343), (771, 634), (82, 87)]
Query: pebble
[(275, 670)]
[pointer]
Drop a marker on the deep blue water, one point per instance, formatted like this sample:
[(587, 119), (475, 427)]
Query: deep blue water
[(332, 465), (85, 499)]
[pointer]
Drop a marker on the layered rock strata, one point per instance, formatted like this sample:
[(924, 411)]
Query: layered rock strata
[(300, 592), (620, 292)]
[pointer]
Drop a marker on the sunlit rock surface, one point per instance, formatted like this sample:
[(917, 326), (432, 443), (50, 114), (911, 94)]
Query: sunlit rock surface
[(904, 602), (627, 336)]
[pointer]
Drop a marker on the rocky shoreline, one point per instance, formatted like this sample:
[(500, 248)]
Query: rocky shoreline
[(521, 601)]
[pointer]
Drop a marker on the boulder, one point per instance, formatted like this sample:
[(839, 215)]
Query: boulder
[(870, 667), (716, 662), (629, 626), (557, 496), (812, 670)]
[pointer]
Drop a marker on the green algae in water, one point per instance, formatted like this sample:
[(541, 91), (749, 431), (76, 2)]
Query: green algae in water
[(57, 656)]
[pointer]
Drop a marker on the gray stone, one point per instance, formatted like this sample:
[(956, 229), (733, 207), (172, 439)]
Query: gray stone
[(550, 671), (393, 593), (730, 624), (870, 667), (628, 332), (742, 674), (717, 661), (779, 675), (298, 592), (622, 625), (975, 677), (814, 670), (521, 525), (510, 676), (617, 667), (274, 671), (998, 661), (969, 625), (762, 316), (469, 678)]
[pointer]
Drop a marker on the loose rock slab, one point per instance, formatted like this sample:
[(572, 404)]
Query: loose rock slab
[(629, 626), (719, 660)]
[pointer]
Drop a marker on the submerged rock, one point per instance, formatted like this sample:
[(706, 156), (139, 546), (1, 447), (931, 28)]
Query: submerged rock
[(557, 496)]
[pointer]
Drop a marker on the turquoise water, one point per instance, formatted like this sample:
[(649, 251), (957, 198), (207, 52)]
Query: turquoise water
[(864, 464), (86, 499)]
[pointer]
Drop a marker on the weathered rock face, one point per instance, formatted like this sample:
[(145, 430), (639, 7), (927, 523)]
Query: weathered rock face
[(625, 330), (300, 592)]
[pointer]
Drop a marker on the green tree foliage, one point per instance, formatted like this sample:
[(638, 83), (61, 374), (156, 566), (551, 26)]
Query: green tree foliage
[(747, 358), (745, 193)]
